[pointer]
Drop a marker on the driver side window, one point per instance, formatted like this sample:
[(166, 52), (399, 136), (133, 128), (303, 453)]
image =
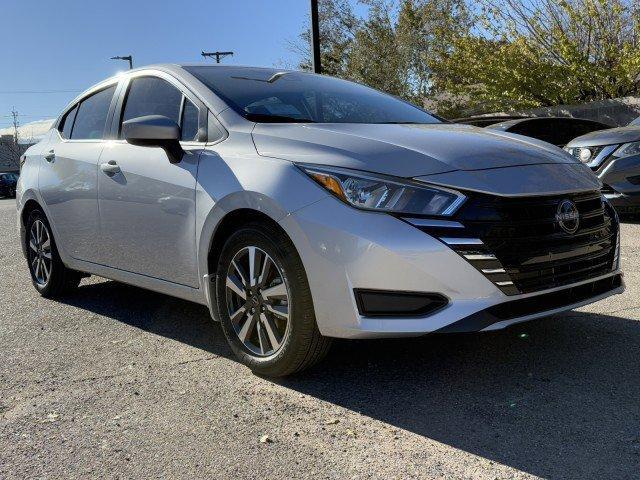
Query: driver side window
[(155, 96)]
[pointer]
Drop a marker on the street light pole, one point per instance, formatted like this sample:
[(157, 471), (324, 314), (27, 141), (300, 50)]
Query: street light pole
[(128, 58), (315, 37), (217, 55)]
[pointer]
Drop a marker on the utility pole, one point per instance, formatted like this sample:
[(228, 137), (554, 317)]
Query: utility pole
[(315, 37), (16, 124), (128, 58), (218, 55)]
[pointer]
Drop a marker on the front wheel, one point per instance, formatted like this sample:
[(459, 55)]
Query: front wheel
[(265, 304), (48, 274)]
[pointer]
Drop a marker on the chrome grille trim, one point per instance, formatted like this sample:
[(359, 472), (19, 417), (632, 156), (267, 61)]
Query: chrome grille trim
[(462, 241), (432, 222), (490, 271)]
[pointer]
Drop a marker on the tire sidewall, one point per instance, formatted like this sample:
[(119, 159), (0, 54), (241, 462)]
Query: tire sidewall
[(286, 262), (56, 263)]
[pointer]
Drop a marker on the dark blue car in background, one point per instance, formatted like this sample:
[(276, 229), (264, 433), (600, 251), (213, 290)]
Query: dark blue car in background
[(8, 183)]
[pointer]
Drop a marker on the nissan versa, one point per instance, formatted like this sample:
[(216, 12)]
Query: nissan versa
[(300, 207)]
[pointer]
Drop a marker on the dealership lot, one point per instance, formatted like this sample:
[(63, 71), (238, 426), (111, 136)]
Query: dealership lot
[(115, 381)]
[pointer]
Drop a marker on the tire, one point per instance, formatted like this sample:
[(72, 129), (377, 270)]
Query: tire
[(270, 345), (49, 275)]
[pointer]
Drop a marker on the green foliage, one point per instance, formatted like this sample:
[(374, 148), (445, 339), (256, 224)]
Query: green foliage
[(541, 52), (461, 56)]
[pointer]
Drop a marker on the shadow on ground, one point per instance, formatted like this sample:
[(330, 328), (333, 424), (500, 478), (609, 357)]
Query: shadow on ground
[(557, 398)]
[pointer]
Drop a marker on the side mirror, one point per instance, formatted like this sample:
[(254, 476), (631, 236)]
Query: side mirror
[(155, 131)]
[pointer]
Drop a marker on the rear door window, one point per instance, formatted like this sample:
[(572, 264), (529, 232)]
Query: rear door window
[(91, 116), (67, 122)]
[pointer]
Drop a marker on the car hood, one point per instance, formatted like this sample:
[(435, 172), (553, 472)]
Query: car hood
[(610, 136), (403, 150)]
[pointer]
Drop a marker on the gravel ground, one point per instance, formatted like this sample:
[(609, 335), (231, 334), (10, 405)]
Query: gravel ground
[(118, 382)]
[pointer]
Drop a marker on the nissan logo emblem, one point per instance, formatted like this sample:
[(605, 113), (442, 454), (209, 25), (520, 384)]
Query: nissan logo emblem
[(568, 216)]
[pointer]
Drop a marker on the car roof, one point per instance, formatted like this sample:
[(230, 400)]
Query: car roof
[(511, 123), (179, 70), (484, 120)]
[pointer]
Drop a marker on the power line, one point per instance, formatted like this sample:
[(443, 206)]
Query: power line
[(26, 115), (11, 92)]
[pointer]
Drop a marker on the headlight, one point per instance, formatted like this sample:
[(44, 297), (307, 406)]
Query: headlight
[(380, 193), (585, 154), (627, 150)]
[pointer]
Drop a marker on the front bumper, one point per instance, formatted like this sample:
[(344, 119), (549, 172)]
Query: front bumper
[(344, 249), (621, 179), (624, 204)]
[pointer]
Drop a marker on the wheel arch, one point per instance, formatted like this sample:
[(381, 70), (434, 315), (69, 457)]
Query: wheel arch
[(29, 206), (230, 223)]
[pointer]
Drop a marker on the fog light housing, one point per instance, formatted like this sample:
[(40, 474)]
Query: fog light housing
[(383, 303)]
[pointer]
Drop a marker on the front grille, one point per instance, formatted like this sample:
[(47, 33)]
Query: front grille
[(520, 246)]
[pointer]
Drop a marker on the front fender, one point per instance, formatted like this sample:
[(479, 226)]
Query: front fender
[(273, 187)]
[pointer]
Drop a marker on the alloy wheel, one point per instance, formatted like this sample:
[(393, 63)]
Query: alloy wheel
[(40, 260), (258, 301)]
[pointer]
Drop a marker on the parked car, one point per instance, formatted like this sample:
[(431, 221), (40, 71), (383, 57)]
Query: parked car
[(557, 131), (486, 120), (300, 207), (614, 156), (8, 182)]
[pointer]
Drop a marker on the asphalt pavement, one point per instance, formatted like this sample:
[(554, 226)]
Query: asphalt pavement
[(118, 382)]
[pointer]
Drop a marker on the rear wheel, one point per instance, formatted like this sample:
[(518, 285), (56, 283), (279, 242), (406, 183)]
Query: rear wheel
[(48, 274), (264, 303)]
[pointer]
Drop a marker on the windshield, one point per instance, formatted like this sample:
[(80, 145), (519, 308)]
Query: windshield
[(267, 95)]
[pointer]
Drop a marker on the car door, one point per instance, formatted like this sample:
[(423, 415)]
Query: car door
[(68, 173), (147, 207)]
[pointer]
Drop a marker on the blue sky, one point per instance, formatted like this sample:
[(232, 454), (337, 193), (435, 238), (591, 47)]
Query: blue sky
[(66, 44)]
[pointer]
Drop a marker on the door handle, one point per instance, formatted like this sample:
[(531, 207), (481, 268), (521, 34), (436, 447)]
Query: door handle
[(50, 157), (110, 168)]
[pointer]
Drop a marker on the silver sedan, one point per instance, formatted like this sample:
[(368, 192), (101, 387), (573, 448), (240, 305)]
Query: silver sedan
[(300, 207)]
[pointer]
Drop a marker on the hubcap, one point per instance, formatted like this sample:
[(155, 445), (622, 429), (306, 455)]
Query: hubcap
[(40, 252), (257, 301)]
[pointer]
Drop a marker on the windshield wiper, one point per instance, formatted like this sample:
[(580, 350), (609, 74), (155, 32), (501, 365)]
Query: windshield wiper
[(266, 118)]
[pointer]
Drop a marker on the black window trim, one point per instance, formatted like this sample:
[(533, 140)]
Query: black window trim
[(63, 121)]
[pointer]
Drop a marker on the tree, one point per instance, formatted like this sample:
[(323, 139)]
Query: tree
[(472, 56), (338, 25), (392, 48), (376, 55), (532, 53)]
